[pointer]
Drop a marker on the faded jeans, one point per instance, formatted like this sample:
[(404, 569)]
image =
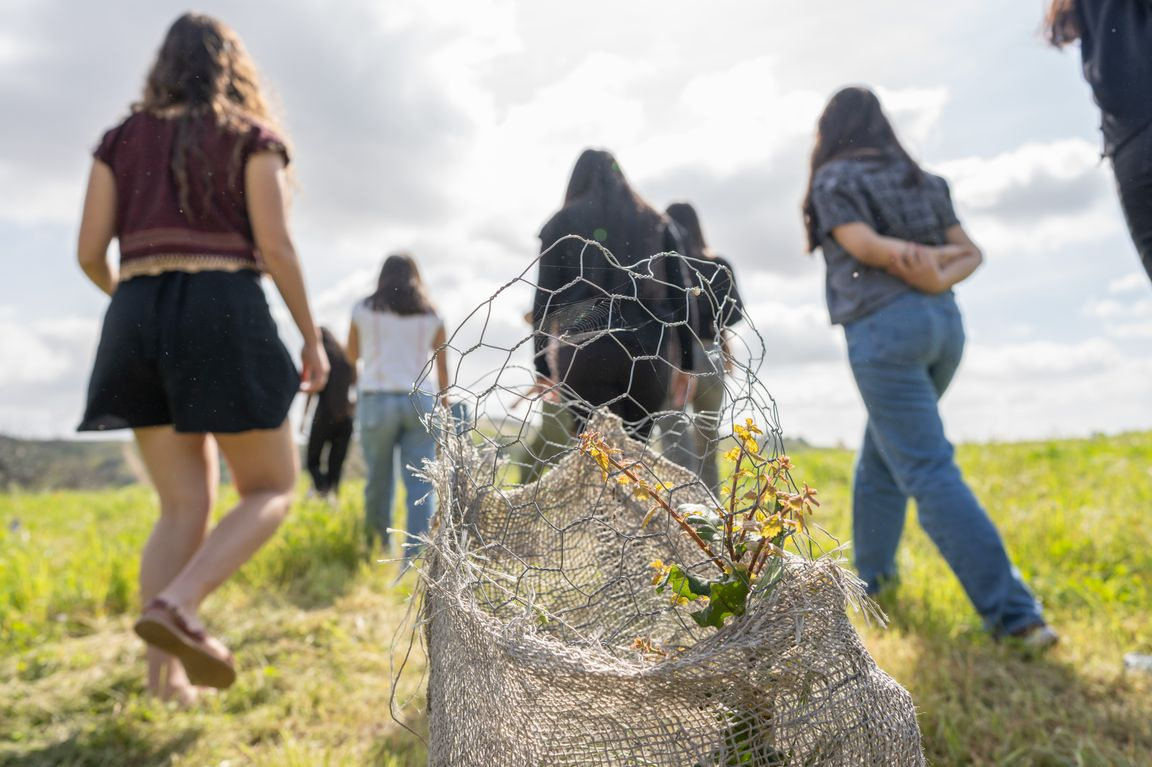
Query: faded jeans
[(551, 438), (391, 431), (903, 357), (692, 441)]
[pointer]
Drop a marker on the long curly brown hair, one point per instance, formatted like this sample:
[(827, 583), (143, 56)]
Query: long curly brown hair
[(201, 70)]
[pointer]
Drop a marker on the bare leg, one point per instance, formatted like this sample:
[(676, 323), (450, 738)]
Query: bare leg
[(185, 472), (264, 466)]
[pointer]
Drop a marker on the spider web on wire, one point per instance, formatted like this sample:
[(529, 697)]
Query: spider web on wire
[(536, 578), (495, 378)]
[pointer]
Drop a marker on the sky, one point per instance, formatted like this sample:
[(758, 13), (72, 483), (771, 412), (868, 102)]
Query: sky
[(449, 128)]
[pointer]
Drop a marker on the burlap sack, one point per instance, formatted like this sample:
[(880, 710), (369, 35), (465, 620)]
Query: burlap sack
[(536, 595)]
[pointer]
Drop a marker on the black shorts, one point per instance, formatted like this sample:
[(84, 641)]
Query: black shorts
[(200, 352)]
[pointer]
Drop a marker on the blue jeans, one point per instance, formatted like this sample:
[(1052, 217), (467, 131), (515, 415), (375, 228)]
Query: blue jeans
[(391, 430), (903, 357)]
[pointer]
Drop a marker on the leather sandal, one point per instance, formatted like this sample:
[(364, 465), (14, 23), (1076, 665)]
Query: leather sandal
[(206, 661)]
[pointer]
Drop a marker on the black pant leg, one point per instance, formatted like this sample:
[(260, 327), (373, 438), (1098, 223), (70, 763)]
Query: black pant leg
[(317, 438), (1133, 168), (606, 373), (338, 451)]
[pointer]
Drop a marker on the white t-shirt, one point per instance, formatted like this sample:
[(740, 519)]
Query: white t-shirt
[(395, 349)]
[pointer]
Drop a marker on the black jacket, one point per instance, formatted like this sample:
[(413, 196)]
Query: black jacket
[(579, 292), (1116, 46)]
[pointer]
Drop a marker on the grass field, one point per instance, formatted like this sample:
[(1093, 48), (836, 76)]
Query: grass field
[(318, 631)]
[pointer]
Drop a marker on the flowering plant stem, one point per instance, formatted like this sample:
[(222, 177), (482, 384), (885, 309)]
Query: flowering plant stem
[(737, 537)]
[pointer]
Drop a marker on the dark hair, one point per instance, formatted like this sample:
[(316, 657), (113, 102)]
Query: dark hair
[(1062, 23), (400, 289), (203, 70), (600, 203), (685, 217), (333, 348), (853, 123)]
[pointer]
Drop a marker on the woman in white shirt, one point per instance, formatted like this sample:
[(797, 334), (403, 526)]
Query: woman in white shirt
[(394, 332)]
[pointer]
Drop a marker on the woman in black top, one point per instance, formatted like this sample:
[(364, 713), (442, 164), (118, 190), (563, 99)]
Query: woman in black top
[(608, 299), (332, 420), (1116, 46)]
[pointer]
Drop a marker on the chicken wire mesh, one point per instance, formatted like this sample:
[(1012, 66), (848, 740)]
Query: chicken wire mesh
[(547, 642)]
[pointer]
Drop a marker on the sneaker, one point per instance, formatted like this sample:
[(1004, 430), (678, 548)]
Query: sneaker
[(1137, 662), (1038, 637)]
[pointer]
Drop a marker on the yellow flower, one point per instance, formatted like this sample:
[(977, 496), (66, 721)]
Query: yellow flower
[(732, 455), (661, 571)]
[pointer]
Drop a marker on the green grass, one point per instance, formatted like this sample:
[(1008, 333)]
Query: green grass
[(315, 628), (1077, 519)]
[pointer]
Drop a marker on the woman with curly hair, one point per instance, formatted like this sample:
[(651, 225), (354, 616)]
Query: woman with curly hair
[(191, 183)]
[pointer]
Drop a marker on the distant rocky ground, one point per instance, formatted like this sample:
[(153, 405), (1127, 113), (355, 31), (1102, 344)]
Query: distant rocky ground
[(37, 465), (64, 464)]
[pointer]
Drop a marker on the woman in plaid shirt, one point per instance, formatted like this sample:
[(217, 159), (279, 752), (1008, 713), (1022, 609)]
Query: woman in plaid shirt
[(894, 249)]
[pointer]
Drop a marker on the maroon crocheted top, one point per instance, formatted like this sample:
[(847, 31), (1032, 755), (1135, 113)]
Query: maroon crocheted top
[(155, 235)]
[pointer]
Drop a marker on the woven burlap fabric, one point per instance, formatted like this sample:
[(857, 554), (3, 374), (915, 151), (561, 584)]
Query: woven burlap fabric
[(534, 595)]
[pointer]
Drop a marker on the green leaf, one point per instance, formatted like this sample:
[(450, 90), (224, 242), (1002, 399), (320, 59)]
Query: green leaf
[(706, 522), (685, 584), (728, 596), (706, 531)]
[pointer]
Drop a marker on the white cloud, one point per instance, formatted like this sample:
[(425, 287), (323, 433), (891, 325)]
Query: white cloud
[(449, 129), (1031, 390), (42, 199), (1136, 282), (983, 182), (1036, 199), (1131, 330), (915, 111), (43, 352), (1126, 313), (722, 126), (1112, 309), (1046, 389)]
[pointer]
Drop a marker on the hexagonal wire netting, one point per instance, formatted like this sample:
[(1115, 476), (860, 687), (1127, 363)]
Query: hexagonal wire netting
[(539, 609)]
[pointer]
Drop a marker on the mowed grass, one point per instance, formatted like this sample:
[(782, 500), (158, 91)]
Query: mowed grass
[(318, 631)]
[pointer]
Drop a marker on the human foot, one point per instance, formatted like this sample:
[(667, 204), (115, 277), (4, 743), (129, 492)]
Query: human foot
[(205, 659), (1035, 638), (182, 696)]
